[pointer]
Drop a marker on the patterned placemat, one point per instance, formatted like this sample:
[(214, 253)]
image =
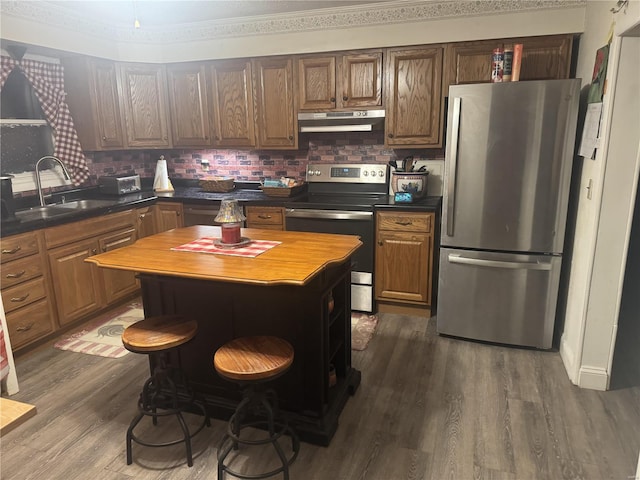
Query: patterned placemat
[(208, 245)]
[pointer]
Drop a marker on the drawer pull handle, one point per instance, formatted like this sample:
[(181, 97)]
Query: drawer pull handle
[(13, 250), (404, 224), (25, 328), (16, 275), (19, 299), (264, 217)]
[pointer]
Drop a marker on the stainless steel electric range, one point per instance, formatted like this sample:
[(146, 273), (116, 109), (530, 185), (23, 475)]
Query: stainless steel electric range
[(340, 199)]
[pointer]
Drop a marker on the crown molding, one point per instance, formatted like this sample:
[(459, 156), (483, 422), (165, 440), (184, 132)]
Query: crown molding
[(395, 12)]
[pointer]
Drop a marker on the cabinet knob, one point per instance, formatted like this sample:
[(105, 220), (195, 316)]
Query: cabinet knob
[(390, 135), (104, 139), (94, 250), (333, 99), (345, 98), (291, 137), (381, 243)]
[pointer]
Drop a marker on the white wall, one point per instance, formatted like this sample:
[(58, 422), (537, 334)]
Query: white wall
[(70, 36), (603, 222)]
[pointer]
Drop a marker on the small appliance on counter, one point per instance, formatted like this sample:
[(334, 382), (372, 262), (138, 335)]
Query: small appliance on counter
[(8, 208), (119, 184)]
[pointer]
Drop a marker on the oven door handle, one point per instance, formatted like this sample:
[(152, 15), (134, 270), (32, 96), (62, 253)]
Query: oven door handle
[(327, 214)]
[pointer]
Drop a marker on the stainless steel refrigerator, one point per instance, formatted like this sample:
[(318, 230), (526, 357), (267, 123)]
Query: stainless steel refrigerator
[(509, 154)]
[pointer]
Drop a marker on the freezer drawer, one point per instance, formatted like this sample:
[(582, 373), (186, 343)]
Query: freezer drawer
[(498, 297)]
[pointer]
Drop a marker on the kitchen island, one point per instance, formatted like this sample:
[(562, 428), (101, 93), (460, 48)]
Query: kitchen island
[(284, 291)]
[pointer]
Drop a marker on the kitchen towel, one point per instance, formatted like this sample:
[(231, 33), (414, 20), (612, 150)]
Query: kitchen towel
[(208, 245)]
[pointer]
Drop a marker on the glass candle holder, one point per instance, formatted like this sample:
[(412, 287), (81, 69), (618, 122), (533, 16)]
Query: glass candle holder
[(230, 217)]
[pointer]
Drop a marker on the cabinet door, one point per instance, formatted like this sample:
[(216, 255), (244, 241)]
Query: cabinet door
[(317, 83), (169, 216), (76, 283), (107, 114), (145, 221), (277, 122), (543, 58), (189, 104), (144, 95), (361, 80), (232, 94), (117, 283), (402, 266), (414, 103), (93, 100)]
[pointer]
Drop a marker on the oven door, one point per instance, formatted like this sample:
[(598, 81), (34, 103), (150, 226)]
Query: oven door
[(343, 222)]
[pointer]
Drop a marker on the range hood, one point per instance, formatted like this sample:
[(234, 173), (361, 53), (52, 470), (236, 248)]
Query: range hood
[(353, 121)]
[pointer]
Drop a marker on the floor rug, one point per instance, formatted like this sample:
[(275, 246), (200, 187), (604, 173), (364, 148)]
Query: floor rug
[(104, 336), (363, 326)]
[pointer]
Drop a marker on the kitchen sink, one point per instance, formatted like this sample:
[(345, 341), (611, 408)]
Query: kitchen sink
[(85, 204), (38, 213), (52, 211)]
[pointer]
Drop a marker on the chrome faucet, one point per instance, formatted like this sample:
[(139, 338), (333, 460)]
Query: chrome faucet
[(66, 173)]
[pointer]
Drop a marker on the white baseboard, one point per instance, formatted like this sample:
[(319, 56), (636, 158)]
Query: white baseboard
[(595, 378), (569, 360)]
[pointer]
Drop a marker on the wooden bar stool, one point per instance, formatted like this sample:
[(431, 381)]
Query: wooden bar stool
[(166, 392), (251, 362)]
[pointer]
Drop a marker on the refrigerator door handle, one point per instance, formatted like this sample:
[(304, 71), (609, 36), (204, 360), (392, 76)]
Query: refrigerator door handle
[(456, 258), (452, 160)]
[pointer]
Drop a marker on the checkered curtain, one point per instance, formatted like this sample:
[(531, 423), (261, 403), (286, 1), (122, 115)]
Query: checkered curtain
[(47, 80)]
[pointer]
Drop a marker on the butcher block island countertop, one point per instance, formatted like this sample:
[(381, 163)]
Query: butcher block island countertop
[(295, 261), (298, 290)]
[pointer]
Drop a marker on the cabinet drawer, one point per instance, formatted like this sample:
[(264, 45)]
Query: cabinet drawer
[(29, 323), (63, 234), (21, 270), (405, 222), (257, 217), (23, 294), (19, 246)]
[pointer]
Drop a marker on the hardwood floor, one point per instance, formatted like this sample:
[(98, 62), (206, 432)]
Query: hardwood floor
[(429, 407)]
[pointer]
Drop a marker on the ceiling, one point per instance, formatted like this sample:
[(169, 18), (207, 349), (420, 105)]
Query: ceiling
[(158, 13)]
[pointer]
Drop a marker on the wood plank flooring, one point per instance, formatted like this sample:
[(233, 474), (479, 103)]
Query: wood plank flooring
[(429, 407)]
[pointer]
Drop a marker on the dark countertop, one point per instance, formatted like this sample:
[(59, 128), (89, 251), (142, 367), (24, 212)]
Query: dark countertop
[(184, 192)]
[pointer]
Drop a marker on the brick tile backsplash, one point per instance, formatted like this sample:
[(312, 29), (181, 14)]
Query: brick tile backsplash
[(255, 165)]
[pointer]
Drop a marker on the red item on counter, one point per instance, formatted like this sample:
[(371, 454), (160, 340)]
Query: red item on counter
[(517, 61)]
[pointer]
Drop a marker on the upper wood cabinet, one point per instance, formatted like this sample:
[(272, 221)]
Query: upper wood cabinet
[(543, 58), (189, 105), (232, 97), (143, 93), (348, 80), (93, 101), (414, 110), (276, 103)]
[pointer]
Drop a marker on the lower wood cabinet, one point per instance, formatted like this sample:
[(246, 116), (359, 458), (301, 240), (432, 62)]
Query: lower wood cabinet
[(269, 218), (80, 287), (145, 221), (26, 291), (169, 215), (404, 257)]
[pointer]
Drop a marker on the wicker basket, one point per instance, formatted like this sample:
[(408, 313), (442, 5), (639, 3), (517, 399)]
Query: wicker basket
[(283, 191), (217, 185)]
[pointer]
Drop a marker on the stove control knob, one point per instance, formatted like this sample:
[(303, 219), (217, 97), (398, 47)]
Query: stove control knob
[(381, 173), (365, 173), (373, 173)]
